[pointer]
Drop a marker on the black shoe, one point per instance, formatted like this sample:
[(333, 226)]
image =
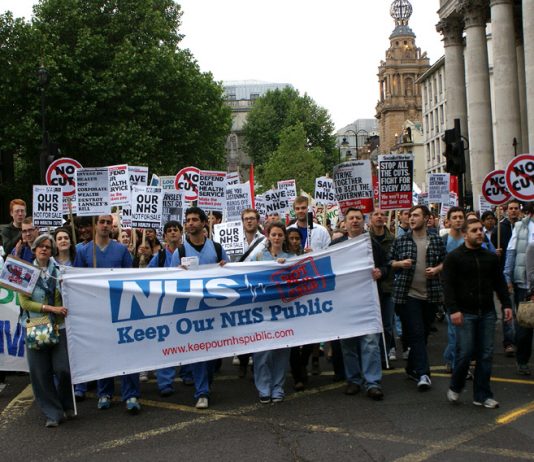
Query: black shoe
[(375, 393), (166, 392), (352, 389), (299, 386)]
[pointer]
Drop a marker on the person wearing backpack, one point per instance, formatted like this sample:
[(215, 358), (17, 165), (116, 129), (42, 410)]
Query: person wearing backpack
[(172, 234), (206, 252)]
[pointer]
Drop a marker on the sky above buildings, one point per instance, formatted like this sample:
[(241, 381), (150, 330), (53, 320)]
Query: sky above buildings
[(329, 50)]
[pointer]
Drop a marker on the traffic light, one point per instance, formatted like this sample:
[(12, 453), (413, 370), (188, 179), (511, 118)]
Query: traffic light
[(454, 151)]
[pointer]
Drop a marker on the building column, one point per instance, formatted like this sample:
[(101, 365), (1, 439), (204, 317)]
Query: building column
[(505, 82), (520, 53), (528, 42), (452, 31), (479, 95)]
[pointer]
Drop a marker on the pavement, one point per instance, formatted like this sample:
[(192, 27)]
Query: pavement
[(318, 424)]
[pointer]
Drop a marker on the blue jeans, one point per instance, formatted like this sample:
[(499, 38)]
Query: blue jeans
[(165, 378), (417, 316), (361, 356), (449, 353), (202, 376), (130, 387), (270, 372), (474, 339)]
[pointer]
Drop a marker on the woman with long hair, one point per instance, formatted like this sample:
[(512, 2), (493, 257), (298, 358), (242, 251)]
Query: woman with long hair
[(270, 366), (65, 248)]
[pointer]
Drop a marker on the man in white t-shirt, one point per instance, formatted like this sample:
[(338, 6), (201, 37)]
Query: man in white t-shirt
[(312, 235)]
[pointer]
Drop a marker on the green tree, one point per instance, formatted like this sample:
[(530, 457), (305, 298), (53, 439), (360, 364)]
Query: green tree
[(121, 89), (19, 102), (279, 109), (293, 159)]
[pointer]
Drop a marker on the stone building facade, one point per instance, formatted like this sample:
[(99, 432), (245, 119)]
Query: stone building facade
[(494, 117), (400, 95), (435, 122), (240, 97)]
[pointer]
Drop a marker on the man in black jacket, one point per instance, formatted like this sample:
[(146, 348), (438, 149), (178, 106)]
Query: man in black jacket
[(470, 275)]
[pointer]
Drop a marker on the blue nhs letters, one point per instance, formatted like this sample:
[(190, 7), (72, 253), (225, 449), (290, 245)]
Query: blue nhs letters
[(141, 299)]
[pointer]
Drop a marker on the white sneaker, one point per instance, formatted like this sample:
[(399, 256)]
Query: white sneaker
[(392, 356), (143, 376), (202, 403), (250, 361), (406, 353), (424, 383), (490, 403), (453, 397), (2, 386), (235, 361)]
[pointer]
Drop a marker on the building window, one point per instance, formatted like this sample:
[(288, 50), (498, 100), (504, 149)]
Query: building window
[(254, 96), (231, 96)]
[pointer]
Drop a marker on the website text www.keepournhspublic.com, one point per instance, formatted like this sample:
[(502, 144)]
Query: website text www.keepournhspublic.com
[(256, 337)]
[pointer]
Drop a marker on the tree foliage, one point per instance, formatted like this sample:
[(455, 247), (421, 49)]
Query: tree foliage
[(121, 89), (281, 109), (293, 159)]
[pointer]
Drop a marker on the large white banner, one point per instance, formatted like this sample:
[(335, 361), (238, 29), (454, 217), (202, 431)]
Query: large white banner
[(12, 353), (123, 321)]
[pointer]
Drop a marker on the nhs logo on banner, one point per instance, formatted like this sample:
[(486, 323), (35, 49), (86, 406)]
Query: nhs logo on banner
[(141, 299)]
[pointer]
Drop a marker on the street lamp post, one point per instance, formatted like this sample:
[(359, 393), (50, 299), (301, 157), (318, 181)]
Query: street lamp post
[(44, 79), (345, 143)]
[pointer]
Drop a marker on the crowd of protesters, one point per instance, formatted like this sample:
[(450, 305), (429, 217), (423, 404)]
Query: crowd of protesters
[(423, 272)]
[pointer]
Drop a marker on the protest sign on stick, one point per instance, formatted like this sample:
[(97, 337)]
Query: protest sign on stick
[(237, 200), (138, 176), (395, 181), (260, 206), (494, 188), (438, 188), (232, 178), (173, 207), (276, 201), (325, 192), (519, 177), (354, 186), (230, 235), (147, 204), (291, 187), (167, 183), (62, 172), (212, 190), (187, 180), (119, 185), (47, 206), (92, 191), (483, 205)]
